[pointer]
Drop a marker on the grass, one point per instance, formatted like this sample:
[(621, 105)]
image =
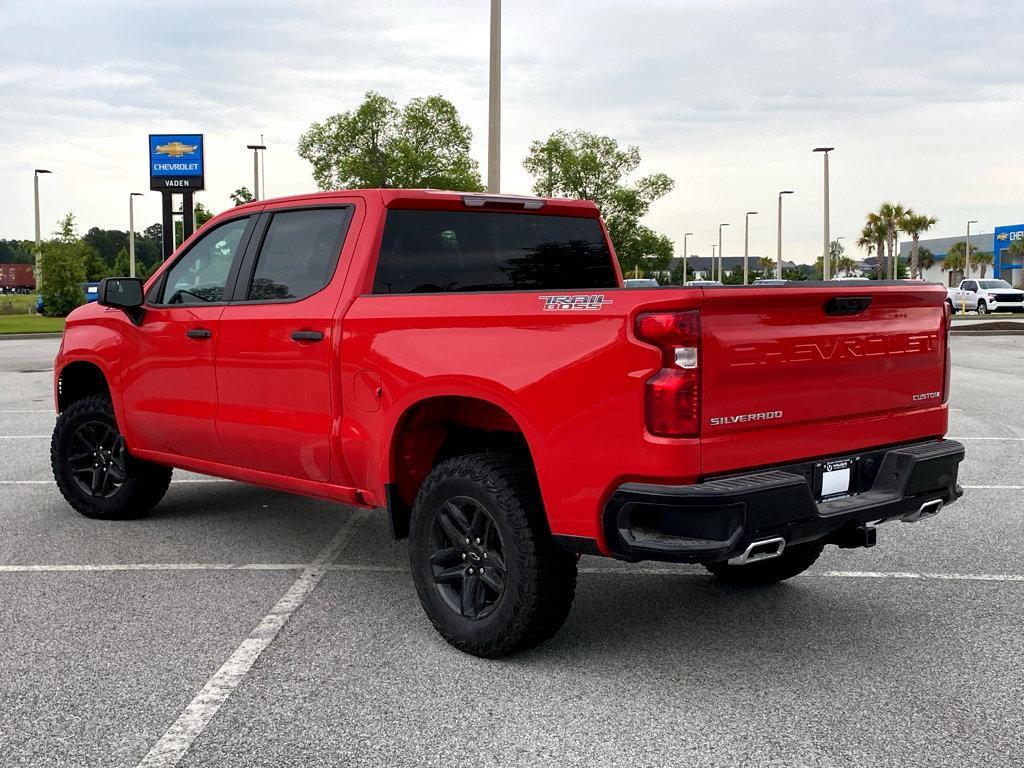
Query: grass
[(28, 324), (17, 304)]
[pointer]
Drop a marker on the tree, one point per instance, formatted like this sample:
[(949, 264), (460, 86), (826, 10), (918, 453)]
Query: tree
[(981, 261), (915, 225), (202, 216), (17, 252), (872, 239), (680, 275), (377, 145), (954, 261), (1016, 249), (925, 258), (62, 263), (890, 216), (766, 265), (580, 164), (241, 196)]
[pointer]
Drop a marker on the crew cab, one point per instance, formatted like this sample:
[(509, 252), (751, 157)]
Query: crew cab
[(473, 364), (985, 296)]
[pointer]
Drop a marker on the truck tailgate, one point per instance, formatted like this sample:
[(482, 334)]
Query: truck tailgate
[(794, 373)]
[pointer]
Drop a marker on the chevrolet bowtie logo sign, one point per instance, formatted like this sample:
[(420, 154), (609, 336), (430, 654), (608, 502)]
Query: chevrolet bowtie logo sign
[(1003, 236), (176, 149)]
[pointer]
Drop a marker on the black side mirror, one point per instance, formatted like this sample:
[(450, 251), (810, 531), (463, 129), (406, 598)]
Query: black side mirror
[(123, 293)]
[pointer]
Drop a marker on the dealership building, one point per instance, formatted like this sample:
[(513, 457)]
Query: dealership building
[(1009, 267)]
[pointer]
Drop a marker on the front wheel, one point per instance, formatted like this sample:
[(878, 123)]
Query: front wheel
[(982, 307), (488, 574), (93, 469), (794, 560)]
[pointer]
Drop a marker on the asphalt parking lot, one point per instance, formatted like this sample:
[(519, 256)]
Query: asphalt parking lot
[(908, 654)]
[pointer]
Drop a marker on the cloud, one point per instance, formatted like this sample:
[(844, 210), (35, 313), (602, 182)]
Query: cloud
[(923, 100)]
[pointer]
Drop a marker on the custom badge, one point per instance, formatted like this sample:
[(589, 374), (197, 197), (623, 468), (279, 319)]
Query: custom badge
[(581, 302)]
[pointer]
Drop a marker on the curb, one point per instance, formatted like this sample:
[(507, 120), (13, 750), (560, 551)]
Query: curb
[(983, 332), (33, 335)]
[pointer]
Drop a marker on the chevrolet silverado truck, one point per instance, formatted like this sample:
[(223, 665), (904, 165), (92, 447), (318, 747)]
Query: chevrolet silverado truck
[(985, 296), (473, 364)]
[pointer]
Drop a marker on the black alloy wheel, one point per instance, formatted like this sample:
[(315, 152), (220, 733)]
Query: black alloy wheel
[(99, 461), (467, 557)]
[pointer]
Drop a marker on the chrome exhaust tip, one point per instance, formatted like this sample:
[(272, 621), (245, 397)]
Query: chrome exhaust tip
[(761, 550), (927, 510)]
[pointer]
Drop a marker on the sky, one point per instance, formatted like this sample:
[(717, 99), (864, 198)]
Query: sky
[(923, 100)]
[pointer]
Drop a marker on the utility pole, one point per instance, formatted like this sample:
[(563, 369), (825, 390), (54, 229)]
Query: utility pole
[(746, 244), (778, 265), (255, 168), (713, 247), (967, 249), (36, 267), (685, 236), (825, 267), (131, 231), (721, 252), (494, 103)]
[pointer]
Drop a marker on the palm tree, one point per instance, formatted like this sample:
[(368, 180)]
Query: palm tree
[(766, 264), (925, 259), (954, 261), (891, 215), (981, 260), (872, 240), (1017, 249), (846, 264), (914, 224)]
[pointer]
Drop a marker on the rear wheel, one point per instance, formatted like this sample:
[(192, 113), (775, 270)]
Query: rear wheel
[(794, 560), (93, 469), (488, 574)]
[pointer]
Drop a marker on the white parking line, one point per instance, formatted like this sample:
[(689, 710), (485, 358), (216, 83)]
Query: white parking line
[(986, 438), (11, 437), (28, 411), (176, 741), (994, 486), (65, 567)]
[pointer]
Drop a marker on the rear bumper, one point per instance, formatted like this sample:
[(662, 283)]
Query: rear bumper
[(720, 518)]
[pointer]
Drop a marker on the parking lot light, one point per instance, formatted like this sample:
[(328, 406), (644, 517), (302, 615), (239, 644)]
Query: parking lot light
[(778, 266)]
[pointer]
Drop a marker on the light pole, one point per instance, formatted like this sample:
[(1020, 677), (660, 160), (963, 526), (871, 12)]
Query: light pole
[(721, 252), (685, 236), (494, 103), (35, 184), (840, 237), (825, 271), (713, 247), (778, 265), (746, 243), (255, 168), (131, 231), (967, 249)]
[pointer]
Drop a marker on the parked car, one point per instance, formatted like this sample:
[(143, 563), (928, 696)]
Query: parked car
[(699, 283), (470, 362), (985, 296), (640, 283)]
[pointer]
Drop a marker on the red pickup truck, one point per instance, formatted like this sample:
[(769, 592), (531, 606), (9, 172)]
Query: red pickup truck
[(471, 363)]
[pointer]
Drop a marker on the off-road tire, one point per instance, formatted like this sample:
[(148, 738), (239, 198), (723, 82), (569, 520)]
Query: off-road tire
[(144, 483), (795, 559), (539, 578)]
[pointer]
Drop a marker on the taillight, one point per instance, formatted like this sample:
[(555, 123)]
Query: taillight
[(672, 395), (947, 318)]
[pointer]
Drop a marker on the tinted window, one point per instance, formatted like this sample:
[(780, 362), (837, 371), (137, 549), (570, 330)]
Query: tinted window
[(970, 286), (430, 251), (299, 253), (200, 275)]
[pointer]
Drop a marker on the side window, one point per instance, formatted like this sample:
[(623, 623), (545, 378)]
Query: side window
[(200, 276), (970, 286), (299, 253)]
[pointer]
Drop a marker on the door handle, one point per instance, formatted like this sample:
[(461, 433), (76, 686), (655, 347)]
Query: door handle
[(199, 333), (307, 336)]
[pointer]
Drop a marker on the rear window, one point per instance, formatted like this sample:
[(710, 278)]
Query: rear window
[(438, 251)]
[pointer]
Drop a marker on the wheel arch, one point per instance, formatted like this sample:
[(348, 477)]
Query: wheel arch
[(80, 379), (437, 428)]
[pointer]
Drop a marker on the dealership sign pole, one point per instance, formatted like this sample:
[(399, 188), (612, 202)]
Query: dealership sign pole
[(176, 165)]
